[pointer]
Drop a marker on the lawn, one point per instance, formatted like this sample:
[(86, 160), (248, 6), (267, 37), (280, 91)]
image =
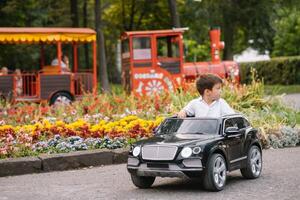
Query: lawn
[(280, 89)]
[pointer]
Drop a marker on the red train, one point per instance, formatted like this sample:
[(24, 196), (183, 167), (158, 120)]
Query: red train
[(153, 61)]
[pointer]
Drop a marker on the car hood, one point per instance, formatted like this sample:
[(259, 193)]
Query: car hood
[(177, 139)]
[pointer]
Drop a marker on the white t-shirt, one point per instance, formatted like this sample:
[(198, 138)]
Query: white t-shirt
[(199, 108)]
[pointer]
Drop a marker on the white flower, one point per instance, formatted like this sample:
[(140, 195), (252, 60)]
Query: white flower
[(73, 112)]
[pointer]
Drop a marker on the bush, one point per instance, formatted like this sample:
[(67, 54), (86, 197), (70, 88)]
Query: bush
[(287, 137), (281, 70)]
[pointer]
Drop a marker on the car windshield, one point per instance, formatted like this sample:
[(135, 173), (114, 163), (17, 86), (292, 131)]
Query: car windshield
[(188, 126)]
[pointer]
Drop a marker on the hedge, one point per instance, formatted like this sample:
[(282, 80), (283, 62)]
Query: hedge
[(281, 70)]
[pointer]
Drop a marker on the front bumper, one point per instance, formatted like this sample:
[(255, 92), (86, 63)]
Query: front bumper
[(185, 168)]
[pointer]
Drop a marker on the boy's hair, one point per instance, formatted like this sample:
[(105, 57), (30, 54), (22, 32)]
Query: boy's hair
[(207, 81)]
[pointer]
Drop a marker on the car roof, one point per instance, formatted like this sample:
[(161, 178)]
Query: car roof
[(233, 115)]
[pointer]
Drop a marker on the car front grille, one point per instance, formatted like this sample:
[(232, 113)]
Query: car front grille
[(153, 152)]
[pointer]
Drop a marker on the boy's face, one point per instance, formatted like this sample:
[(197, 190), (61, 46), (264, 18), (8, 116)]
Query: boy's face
[(215, 93)]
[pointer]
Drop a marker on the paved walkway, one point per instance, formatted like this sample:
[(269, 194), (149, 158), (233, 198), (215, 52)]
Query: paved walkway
[(292, 100), (279, 180)]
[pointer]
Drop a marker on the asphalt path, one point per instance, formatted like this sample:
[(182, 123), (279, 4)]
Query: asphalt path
[(280, 179), (292, 100)]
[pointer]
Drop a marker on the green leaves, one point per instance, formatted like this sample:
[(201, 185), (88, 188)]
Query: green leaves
[(287, 40)]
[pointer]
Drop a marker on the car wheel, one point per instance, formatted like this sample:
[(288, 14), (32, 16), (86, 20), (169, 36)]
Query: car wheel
[(142, 181), (61, 98), (215, 173), (254, 164)]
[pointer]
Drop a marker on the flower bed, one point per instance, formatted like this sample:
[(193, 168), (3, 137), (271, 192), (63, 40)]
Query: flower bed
[(114, 120), (58, 136)]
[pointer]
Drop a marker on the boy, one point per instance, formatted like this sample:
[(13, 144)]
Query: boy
[(209, 104)]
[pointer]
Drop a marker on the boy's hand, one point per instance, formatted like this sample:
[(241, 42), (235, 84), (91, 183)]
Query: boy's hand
[(181, 114)]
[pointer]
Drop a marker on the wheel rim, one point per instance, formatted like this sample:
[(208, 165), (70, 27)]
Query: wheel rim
[(62, 100), (255, 161), (219, 172)]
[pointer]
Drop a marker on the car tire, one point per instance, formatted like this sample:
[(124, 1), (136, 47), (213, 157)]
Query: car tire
[(142, 181), (215, 174), (61, 98), (254, 163)]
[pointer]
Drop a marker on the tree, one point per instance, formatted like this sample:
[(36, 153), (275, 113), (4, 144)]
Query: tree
[(174, 13), (74, 13), (287, 40), (85, 24), (101, 48), (240, 22)]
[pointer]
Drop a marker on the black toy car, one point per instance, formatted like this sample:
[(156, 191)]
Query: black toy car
[(207, 148)]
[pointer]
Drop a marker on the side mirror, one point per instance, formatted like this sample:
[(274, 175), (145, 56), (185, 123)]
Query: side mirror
[(231, 130)]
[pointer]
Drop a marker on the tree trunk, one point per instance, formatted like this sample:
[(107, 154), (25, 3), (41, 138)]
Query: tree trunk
[(132, 13), (74, 13), (174, 14), (123, 16), (145, 8), (101, 48), (85, 24), (75, 23), (228, 39)]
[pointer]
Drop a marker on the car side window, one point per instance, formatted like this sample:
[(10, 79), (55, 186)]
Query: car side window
[(235, 122), (240, 122), (230, 123)]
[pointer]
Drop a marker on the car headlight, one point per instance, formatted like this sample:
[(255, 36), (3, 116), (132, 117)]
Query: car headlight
[(186, 152), (197, 150), (136, 151)]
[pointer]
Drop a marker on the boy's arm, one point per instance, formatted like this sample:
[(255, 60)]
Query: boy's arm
[(187, 111)]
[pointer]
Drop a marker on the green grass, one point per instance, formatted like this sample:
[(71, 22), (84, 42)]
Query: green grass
[(280, 89), (298, 118)]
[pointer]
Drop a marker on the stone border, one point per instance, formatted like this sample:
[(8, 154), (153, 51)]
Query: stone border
[(63, 161)]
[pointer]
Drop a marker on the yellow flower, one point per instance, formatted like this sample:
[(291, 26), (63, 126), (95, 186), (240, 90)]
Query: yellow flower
[(6, 127), (59, 123), (96, 127), (46, 124)]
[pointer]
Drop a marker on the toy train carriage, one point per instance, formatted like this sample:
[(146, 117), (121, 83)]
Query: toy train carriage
[(49, 82), (153, 61)]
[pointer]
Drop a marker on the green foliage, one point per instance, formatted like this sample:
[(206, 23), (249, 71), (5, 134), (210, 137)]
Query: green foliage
[(287, 40), (267, 24), (283, 70), (196, 52)]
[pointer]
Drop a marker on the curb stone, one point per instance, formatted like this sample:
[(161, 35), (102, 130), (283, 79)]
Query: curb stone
[(18, 166), (62, 161)]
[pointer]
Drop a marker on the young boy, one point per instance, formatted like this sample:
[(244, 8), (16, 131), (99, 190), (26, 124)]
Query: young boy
[(209, 104)]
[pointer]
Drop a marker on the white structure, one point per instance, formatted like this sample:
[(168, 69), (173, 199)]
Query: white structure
[(251, 55)]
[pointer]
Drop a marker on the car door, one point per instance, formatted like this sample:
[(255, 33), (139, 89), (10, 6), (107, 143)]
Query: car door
[(234, 143)]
